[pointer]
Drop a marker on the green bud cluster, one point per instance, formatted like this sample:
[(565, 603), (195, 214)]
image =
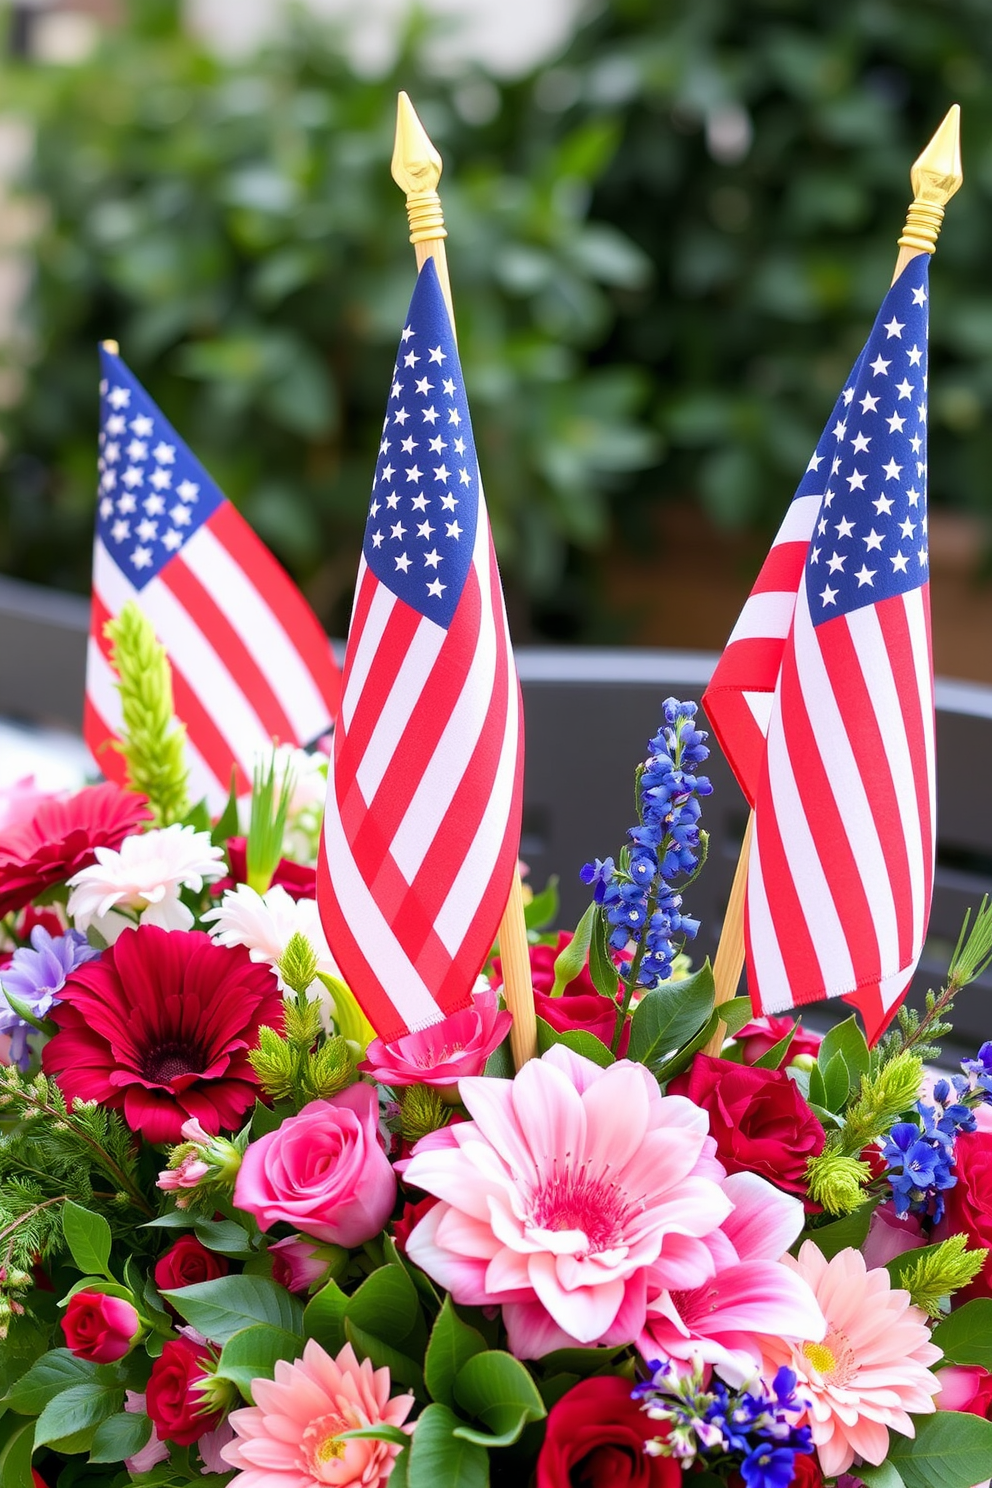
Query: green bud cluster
[(153, 740)]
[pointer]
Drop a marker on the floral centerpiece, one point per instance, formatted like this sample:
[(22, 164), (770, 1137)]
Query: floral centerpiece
[(247, 1242)]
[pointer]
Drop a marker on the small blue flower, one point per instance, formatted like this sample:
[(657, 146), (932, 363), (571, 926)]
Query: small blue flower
[(36, 975), (769, 1467)]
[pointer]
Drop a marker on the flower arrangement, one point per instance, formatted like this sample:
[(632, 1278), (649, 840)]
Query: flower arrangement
[(245, 1241)]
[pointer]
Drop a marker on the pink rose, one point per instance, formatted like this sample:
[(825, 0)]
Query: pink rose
[(323, 1171), (888, 1236), (299, 1264), (100, 1328), (762, 1034), (964, 1388), (444, 1052)]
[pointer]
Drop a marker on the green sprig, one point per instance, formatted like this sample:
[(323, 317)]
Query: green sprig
[(267, 825), (934, 1274), (153, 740)]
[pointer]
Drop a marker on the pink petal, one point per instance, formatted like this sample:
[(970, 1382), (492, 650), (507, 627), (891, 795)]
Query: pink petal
[(764, 1221)]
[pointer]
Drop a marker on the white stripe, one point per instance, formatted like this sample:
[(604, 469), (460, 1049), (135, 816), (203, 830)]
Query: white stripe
[(876, 666), (768, 614), (191, 654), (811, 884), (474, 875), (829, 721), (261, 631), (760, 704), (380, 753), (770, 974), (891, 988), (799, 520), (362, 654), (916, 617), (387, 961), (101, 689), (454, 749)]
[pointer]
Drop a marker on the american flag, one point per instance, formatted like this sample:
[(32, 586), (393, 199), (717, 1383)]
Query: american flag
[(422, 824), (250, 662), (823, 699)]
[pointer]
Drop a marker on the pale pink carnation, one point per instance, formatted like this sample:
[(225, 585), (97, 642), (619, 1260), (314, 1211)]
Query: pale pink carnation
[(871, 1368), (566, 1187), (291, 1437), (445, 1052)]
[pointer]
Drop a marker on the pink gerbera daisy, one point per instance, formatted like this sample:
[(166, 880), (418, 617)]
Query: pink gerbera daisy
[(871, 1367), (291, 1437)]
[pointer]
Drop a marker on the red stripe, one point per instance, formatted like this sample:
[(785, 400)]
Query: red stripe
[(350, 957), (294, 614), (100, 739), (203, 732), (788, 920), (352, 741), (782, 569), (918, 724), (230, 646), (855, 711)]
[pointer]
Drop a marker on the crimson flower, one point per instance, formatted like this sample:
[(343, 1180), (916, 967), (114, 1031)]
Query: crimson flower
[(61, 837), (160, 1029), (299, 881)]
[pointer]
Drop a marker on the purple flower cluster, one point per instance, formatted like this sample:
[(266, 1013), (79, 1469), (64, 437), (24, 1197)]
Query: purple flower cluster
[(35, 976), (638, 898), (919, 1154), (753, 1429)]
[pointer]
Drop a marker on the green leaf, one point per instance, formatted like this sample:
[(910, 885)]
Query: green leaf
[(901, 1263), (120, 1436), (386, 1304), (572, 958), (218, 1309), (817, 1089), (883, 1476), (452, 1344), (773, 1057), (497, 1389), (49, 1376), (252, 1354), (580, 1361), (499, 1065), (966, 1336), (324, 1317), (601, 968), (228, 824), (951, 1449), (402, 1368), (224, 1236), (266, 1119), (845, 1038), (15, 1457), (543, 908), (382, 1432), (842, 1233), (440, 1459), (735, 1013), (668, 1016), (579, 1040), (88, 1238), (836, 1083), (72, 1412)]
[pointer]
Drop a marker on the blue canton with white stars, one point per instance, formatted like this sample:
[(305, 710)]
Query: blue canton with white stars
[(153, 492), (870, 466), (422, 518)]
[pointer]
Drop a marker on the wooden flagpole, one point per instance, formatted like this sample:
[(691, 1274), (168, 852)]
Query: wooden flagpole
[(416, 170), (935, 177)]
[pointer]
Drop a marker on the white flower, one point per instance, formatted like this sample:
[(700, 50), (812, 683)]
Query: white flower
[(142, 881), (265, 924)]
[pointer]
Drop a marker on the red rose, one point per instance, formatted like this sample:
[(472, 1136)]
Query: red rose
[(175, 1407), (807, 1472), (37, 1479), (580, 1005), (412, 1215), (762, 1034), (969, 1206), (187, 1263), (99, 1328), (758, 1117), (595, 1439)]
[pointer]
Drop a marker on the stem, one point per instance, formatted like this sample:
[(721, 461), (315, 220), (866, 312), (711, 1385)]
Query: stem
[(630, 982), (105, 1160), (29, 1214), (943, 1004)]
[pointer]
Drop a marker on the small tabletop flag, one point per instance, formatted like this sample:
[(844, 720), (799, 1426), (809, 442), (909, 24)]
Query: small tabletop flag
[(823, 699), (250, 661), (422, 824)]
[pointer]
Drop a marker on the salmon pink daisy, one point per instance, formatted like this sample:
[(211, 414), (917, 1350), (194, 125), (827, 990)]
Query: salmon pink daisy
[(871, 1368), (291, 1437)]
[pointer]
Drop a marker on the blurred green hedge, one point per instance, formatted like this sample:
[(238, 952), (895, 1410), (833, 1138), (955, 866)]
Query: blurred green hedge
[(666, 248)]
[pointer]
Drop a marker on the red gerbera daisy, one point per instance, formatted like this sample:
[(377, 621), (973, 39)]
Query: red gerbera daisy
[(60, 838), (160, 1029)]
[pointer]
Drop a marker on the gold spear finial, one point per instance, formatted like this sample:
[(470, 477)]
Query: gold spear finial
[(935, 177), (417, 170)]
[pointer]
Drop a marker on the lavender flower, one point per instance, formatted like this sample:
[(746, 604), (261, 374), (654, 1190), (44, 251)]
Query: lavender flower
[(35, 976)]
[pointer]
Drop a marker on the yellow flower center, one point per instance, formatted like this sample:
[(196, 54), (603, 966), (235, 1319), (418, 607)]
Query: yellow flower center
[(323, 1448), (329, 1450), (820, 1357), (834, 1360)]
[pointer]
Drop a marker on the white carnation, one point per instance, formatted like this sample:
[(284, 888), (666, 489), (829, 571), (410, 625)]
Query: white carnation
[(141, 881)]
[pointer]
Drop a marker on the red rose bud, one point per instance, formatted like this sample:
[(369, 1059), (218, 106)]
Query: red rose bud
[(172, 1400), (411, 1216), (964, 1388), (100, 1328), (186, 1263), (759, 1120), (595, 1439), (762, 1034)]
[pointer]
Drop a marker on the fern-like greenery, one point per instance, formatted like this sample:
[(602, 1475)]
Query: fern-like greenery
[(153, 738)]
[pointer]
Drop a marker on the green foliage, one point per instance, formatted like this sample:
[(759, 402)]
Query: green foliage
[(884, 1094), (271, 793), (951, 1449), (936, 1272), (670, 1015), (298, 964), (579, 1040), (966, 1336), (153, 740), (252, 1353), (421, 1111), (303, 1065), (836, 1181), (220, 1308)]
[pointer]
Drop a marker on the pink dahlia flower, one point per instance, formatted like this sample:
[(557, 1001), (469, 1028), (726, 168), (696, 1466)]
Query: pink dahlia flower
[(566, 1188), (735, 1286), (445, 1052), (870, 1370), (291, 1437)]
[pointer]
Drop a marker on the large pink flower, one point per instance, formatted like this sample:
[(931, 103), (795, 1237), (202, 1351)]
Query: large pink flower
[(291, 1437), (735, 1286), (445, 1052), (566, 1188), (871, 1367)]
